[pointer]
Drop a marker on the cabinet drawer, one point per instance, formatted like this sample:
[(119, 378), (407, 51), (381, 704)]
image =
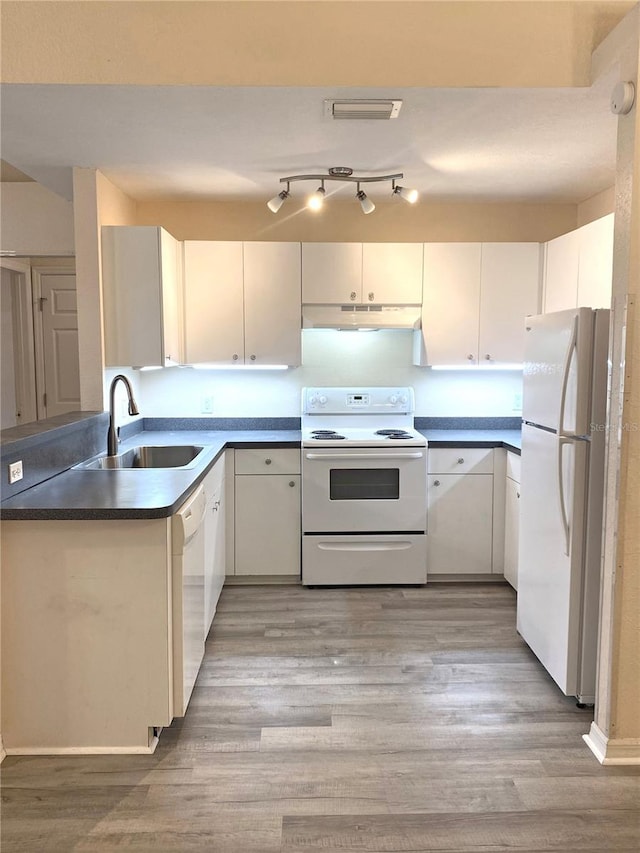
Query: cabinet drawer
[(460, 460), (275, 460), (513, 466)]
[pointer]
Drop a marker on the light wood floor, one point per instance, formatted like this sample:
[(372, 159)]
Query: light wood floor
[(345, 719)]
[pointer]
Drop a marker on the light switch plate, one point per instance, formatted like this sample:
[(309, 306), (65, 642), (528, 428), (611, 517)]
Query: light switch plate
[(15, 471)]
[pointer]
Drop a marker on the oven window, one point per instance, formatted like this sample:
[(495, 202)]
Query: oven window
[(364, 484)]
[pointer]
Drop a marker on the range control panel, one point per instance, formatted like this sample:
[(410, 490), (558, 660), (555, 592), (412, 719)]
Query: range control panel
[(357, 401)]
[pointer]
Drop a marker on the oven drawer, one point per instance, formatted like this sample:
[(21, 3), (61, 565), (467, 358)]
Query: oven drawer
[(460, 460), (277, 460), (363, 559)]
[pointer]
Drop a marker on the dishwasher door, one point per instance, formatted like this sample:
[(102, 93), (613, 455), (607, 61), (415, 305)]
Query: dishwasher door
[(187, 538)]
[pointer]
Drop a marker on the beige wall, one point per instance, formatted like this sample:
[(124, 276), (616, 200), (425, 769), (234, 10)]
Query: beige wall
[(344, 221), (35, 221), (305, 43), (598, 205)]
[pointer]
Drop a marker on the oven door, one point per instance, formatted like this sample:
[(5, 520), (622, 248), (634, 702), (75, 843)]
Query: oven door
[(364, 490)]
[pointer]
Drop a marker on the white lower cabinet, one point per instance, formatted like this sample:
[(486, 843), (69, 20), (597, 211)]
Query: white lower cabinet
[(460, 511), (267, 512), (512, 519), (214, 539)]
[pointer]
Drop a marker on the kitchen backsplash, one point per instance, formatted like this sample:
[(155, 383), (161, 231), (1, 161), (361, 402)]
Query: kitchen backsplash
[(330, 358)]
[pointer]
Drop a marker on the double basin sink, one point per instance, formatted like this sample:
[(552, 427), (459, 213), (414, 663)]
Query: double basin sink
[(145, 456)]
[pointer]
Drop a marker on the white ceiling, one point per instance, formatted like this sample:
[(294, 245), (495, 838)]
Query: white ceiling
[(235, 143)]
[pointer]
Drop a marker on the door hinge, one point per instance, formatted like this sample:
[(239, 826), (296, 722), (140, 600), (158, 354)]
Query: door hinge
[(44, 399), (41, 301)]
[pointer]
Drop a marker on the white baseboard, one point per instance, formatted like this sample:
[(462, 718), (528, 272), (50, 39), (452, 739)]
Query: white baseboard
[(612, 750), (86, 750)]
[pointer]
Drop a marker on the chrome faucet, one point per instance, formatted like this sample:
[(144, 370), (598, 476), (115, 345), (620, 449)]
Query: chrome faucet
[(112, 436)]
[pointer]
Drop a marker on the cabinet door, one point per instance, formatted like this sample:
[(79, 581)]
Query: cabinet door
[(171, 267), (267, 525), (596, 263), (459, 524), (561, 273), (392, 273), (272, 303), (511, 531), (132, 296), (213, 303), (509, 291), (451, 302), (331, 273), (214, 540)]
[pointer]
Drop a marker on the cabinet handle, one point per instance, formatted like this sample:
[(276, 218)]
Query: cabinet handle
[(353, 295), (470, 357), (487, 357), (235, 356), (436, 482), (253, 358), (371, 296), (460, 461), (292, 483), (267, 462)]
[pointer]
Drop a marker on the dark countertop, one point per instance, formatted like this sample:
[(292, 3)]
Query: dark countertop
[(78, 494)]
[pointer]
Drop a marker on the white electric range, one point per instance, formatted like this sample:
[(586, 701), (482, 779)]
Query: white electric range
[(364, 488)]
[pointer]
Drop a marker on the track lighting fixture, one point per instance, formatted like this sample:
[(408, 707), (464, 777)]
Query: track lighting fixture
[(404, 192), (365, 202), (277, 201), (342, 173)]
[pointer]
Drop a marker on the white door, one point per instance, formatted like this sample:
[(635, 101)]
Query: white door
[(550, 556), (267, 524), (557, 370), (55, 294), (509, 291), (451, 302), (459, 524), (331, 273), (392, 273), (213, 302), (272, 303), (561, 273)]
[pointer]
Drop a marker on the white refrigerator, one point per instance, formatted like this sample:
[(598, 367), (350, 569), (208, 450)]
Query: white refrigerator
[(562, 487)]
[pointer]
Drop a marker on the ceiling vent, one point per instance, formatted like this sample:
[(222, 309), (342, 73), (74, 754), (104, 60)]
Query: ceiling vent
[(360, 109)]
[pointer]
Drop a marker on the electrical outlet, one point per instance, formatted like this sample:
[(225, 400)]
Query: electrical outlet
[(15, 471), (517, 401), (206, 405)]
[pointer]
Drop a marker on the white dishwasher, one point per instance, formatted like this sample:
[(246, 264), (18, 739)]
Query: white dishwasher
[(187, 549)]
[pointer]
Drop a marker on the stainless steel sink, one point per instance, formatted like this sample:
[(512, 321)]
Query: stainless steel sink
[(164, 456)]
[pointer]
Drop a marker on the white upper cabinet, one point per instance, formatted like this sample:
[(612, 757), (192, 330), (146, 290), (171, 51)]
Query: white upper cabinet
[(331, 273), (340, 273), (213, 303), (272, 303), (392, 273), (242, 303), (475, 299), (451, 302), (578, 267), (595, 268), (141, 268), (561, 273), (509, 291)]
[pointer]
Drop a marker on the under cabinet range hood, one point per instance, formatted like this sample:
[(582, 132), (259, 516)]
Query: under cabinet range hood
[(347, 317)]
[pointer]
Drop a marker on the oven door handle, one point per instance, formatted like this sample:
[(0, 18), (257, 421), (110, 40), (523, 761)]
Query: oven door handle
[(364, 546), (342, 456)]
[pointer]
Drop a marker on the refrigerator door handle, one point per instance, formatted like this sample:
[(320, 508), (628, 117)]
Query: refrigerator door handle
[(562, 440), (573, 343)]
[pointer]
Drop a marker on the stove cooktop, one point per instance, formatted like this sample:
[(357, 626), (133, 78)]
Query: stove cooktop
[(363, 437)]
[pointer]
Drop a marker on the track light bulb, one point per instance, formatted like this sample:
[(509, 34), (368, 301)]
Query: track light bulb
[(277, 201), (365, 202), (407, 194), (316, 199)]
